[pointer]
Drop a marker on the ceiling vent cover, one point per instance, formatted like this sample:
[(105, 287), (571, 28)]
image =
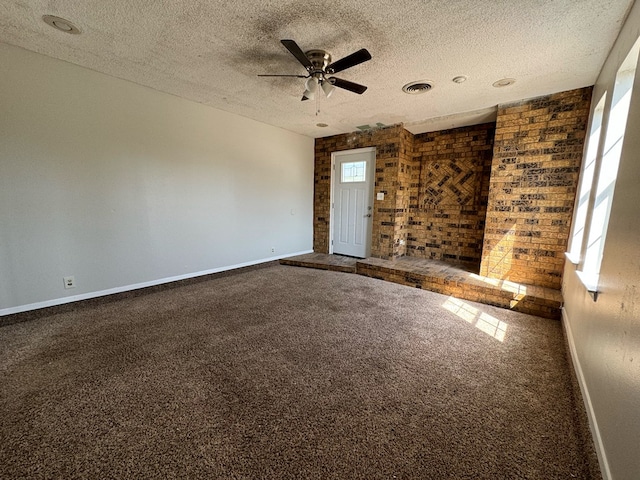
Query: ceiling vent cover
[(414, 88), (61, 24)]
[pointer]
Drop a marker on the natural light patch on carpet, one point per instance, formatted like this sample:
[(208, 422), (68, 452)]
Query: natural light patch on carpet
[(479, 319)]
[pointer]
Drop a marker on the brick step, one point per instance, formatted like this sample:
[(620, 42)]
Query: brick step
[(457, 280), (323, 262), (460, 283)]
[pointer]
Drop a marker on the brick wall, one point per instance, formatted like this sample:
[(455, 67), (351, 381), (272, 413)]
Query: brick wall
[(406, 222), (407, 166), (536, 161), (390, 143), (448, 206), (502, 198)]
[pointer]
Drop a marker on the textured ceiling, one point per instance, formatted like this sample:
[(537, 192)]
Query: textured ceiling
[(211, 52)]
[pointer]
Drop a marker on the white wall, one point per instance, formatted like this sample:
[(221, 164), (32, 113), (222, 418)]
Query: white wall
[(123, 186), (606, 334)]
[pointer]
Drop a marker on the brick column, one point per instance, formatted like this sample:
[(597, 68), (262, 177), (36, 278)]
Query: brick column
[(534, 176)]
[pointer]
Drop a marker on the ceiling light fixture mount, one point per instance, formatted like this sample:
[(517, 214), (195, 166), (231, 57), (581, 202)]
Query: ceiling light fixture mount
[(61, 24), (421, 86), (504, 82)]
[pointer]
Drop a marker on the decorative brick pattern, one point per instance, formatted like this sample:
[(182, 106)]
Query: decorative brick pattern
[(537, 153), (447, 218)]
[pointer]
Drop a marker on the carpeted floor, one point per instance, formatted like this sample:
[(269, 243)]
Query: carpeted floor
[(283, 373)]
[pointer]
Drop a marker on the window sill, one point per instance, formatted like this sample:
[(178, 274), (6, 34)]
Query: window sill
[(573, 258), (590, 281)]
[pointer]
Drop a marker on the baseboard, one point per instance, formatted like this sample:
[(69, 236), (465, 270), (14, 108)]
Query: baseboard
[(593, 423), (101, 293)]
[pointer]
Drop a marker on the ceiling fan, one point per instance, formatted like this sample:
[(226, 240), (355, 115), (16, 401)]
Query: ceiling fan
[(319, 67)]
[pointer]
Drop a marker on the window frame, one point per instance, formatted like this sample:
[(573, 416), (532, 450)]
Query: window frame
[(613, 128)]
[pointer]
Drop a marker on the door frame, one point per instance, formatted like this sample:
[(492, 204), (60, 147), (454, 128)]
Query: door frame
[(371, 178)]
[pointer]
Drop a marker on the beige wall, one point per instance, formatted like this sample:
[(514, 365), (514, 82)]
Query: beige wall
[(123, 186), (605, 334)]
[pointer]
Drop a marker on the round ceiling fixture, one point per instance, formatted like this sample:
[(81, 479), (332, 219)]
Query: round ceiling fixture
[(61, 24), (421, 86), (504, 82), (459, 79)]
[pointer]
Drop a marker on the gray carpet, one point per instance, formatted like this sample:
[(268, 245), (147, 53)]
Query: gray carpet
[(285, 372)]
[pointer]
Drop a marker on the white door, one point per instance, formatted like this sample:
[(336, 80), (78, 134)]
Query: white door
[(353, 201)]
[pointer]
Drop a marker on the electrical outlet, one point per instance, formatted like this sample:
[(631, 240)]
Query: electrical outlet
[(273, 249), (69, 282)]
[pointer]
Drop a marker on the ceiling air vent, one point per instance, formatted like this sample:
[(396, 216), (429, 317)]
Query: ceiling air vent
[(61, 24), (414, 88)]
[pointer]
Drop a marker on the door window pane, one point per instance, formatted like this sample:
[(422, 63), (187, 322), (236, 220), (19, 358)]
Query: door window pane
[(353, 172)]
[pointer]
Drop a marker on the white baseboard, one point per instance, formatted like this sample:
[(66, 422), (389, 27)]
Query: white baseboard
[(593, 423), (101, 293)]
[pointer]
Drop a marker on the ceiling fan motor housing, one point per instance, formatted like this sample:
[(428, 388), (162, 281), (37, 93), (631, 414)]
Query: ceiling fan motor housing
[(320, 59)]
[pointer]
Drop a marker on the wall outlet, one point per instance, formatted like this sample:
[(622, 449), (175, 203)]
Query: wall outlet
[(273, 249), (69, 282)]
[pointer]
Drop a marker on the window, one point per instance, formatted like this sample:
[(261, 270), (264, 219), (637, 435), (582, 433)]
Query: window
[(599, 173), (586, 182), (353, 172)]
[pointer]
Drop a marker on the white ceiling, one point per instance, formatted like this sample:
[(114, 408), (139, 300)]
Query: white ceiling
[(211, 51)]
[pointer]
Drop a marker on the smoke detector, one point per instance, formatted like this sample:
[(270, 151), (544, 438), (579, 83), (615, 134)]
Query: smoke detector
[(414, 88)]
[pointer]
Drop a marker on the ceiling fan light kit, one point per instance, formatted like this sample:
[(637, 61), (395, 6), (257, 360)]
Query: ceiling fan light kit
[(319, 68), (311, 87), (328, 89)]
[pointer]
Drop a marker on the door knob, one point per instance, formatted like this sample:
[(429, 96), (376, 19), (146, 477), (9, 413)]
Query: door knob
[(368, 215)]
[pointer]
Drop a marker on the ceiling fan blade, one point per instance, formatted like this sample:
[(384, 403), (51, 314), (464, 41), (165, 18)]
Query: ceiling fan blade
[(349, 61), (276, 75), (297, 52), (347, 85)]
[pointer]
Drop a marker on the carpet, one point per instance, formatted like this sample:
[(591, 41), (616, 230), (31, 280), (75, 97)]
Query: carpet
[(283, 373)]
